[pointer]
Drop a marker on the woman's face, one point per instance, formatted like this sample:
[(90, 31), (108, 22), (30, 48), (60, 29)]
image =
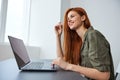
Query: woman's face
[(74, 20)]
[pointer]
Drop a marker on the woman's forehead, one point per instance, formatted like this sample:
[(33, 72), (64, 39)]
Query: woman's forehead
[(72, 12)]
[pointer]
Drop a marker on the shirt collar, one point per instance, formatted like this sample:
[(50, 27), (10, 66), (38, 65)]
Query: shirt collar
[(89, 29), (85, 35)]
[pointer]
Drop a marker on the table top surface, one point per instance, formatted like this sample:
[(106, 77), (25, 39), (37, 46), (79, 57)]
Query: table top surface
[(10, 71)]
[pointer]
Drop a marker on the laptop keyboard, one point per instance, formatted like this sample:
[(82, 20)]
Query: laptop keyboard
[(35, 65)]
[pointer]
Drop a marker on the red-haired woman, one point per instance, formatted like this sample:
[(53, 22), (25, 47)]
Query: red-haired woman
[(85, 50)]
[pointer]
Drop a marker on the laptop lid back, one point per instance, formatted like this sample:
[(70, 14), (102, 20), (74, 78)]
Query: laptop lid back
[(19, 51)]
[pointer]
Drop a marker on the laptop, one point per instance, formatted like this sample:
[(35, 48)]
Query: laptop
[(23, 60)]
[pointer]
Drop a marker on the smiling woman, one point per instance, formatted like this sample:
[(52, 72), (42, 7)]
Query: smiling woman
[(85, 50)]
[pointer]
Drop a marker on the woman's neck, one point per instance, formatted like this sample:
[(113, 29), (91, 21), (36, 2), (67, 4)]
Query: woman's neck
[(81, 31)]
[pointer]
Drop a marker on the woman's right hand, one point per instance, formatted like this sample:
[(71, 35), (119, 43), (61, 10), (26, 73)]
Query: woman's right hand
[(58, 29), (61, 63)]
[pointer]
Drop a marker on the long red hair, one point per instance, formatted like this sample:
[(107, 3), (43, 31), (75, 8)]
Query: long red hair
[(72, 42)]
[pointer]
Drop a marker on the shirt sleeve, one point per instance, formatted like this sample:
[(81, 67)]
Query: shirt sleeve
[(99, 51)]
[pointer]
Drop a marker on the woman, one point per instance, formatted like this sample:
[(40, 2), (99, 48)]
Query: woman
[(85, 50)]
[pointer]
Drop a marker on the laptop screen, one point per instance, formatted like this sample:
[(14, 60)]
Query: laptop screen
[(19, 51)]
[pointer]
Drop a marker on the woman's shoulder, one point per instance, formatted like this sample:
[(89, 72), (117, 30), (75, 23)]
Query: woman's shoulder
[(95, 33)]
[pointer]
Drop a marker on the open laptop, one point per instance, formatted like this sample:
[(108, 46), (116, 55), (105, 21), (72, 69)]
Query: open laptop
[(23, 60)]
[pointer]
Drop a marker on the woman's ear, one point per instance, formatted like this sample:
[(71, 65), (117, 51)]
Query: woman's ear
[(83, 18)]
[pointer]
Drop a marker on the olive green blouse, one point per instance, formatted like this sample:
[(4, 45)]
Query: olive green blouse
[(96, 53)]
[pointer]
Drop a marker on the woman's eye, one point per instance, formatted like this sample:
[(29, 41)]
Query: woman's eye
[(72, 16)]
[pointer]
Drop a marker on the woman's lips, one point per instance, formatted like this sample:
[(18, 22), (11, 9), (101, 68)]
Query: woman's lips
[(71, 23)]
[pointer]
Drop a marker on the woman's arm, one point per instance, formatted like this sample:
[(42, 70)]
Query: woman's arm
[(89, 72), (59, 47), (58, 31)]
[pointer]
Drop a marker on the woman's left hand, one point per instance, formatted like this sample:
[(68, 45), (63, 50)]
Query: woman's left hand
[(61, 63)]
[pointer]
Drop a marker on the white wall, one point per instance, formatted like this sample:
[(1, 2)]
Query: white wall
[(44, 15), (6, 51), (17, 20), (65, 4), (105, 17)]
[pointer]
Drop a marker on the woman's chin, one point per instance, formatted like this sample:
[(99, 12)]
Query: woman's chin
[(72, 28)]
